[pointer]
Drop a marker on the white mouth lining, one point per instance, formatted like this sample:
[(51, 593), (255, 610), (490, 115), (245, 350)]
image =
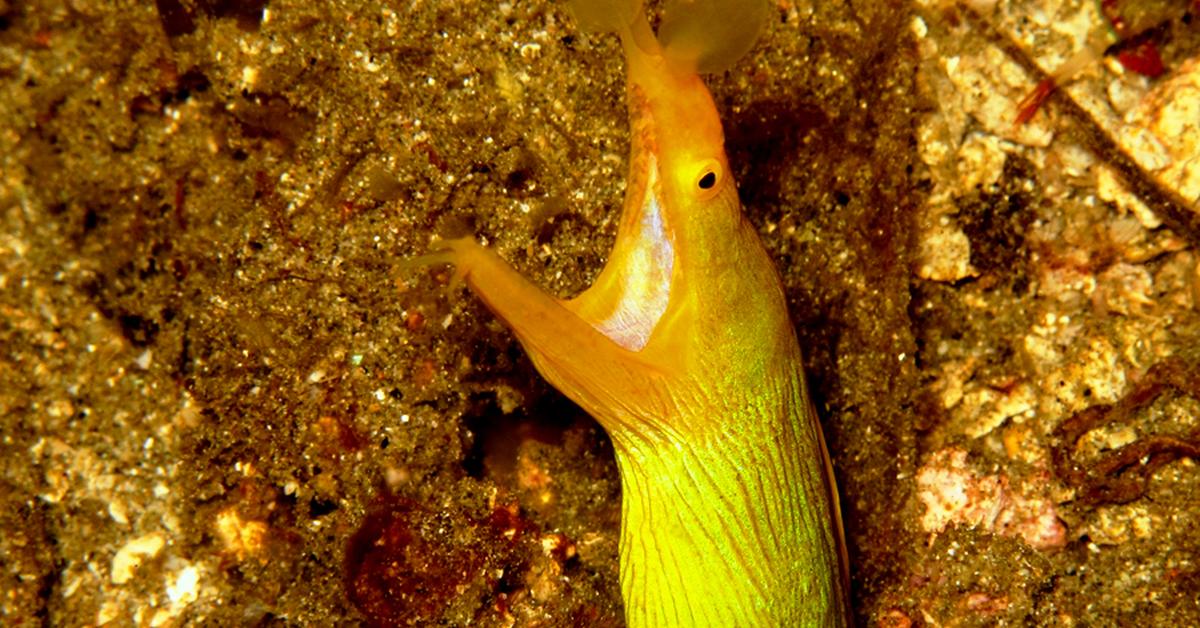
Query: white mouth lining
[(646, 277)]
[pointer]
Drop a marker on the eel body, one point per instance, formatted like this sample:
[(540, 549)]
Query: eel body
[(683, 350)]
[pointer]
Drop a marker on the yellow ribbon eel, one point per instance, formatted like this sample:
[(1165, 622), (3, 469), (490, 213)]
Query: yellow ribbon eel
[(684, 352)]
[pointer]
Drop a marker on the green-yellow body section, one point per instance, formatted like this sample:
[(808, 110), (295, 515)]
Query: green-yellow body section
[(684, 351), (731, 527)]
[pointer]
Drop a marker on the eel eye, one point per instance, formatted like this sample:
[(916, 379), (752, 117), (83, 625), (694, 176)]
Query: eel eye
[(709, 179)]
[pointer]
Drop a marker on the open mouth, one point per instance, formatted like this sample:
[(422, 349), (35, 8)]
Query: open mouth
[(646, 274)]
